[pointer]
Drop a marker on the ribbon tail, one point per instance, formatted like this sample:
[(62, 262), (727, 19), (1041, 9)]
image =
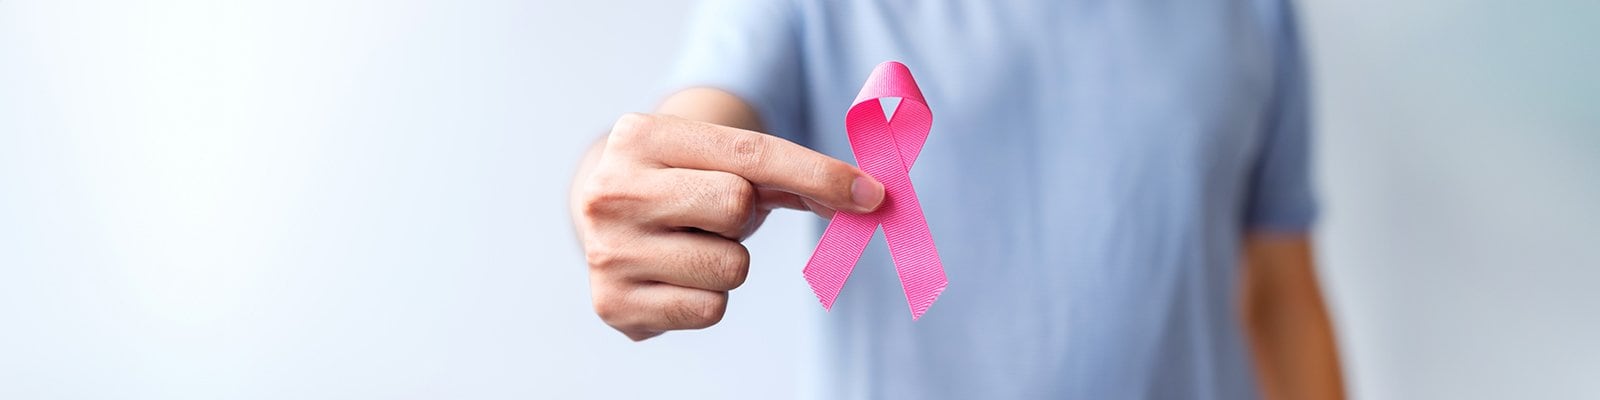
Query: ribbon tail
[(836, 255), (911, 246)]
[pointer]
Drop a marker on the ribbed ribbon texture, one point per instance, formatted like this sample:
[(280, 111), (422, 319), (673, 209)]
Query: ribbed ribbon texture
[(885, 147)]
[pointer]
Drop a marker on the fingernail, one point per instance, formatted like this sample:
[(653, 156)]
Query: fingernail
[(866, 193)]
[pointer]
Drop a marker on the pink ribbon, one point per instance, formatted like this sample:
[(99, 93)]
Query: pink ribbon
[(885, 148)]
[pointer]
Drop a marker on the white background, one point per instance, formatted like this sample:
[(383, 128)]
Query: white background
[(366, 199)]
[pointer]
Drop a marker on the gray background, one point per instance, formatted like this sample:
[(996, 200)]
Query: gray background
[(365, 199)]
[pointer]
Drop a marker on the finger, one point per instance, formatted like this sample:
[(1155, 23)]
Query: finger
[(819, 209), (711, 201), (693, 260), (656, 308), (762, 159)]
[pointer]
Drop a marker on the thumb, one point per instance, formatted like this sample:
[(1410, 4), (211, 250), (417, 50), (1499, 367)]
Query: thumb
[(773, 199)]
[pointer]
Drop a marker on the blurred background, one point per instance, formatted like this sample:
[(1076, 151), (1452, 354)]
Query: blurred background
[(366, 199)]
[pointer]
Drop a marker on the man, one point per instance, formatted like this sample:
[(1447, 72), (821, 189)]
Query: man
[(1120, 191)]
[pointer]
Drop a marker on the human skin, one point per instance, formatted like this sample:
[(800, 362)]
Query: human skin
[(661, 203), (1291, 335)]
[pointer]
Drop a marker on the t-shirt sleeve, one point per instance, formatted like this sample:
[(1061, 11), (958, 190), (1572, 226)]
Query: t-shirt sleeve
[(749, 48), (1280, 195)]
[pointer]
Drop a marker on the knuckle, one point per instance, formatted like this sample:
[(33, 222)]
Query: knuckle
[(699, 266), (595, 193), (720, 270), (748, 150), (630, 129), (606, 194), (737, 200), (600, 255), (595, 203), (712, 313), (701, 314), (609, 306), (736, 267), (605, 253)]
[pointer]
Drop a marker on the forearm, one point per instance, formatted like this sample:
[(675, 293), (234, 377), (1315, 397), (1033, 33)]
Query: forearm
[(1291, 334)]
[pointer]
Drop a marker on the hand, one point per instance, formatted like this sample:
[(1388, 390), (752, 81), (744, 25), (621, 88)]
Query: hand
[(664, 209)]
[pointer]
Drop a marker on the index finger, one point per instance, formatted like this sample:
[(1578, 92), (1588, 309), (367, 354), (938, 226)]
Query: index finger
[(764, 160)]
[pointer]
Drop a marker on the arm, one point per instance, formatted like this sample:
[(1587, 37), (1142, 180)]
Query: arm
[(1290, 332)]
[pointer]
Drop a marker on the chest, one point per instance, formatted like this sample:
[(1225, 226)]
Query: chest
[(1175, 87)]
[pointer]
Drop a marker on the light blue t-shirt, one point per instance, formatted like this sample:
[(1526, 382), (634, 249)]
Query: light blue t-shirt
[(1091, 170)]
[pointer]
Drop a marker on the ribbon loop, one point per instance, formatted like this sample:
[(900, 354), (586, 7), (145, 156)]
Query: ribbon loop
[(886, 148)]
